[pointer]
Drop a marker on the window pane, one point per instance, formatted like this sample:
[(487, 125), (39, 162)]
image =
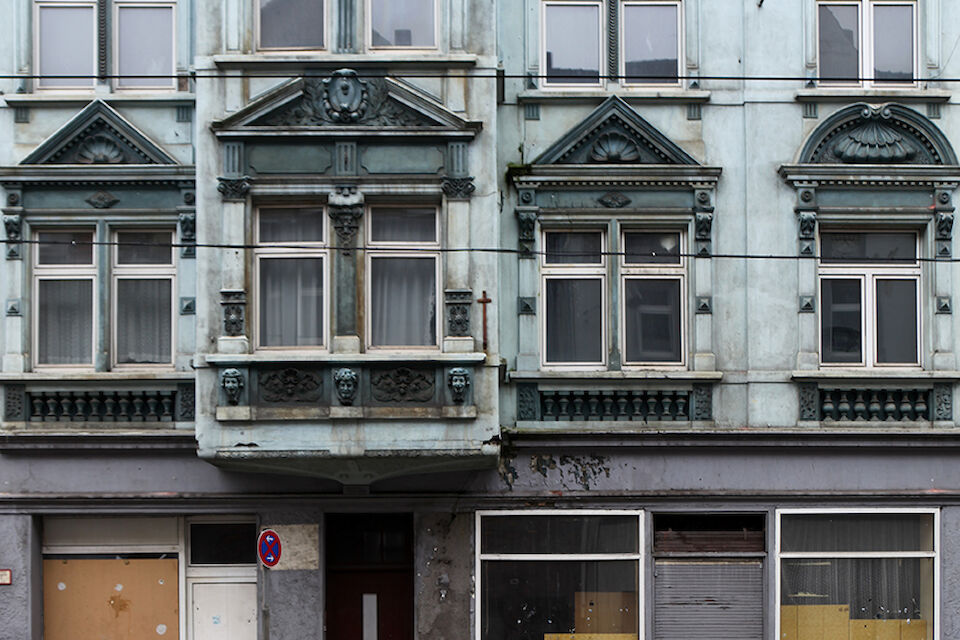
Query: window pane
[(223, 543), (574, 320), (291, 302), (526, 600), (144, 247), (856, 532), (65, 322), (403, 303), (145, 46), (390, 224), (840, 321), (143, 321), (65, 247), (839, 42), (402, 23), (560, 534), (651, 248), (650, 46), (868, 247), (893, 43), (873, 597), (574, 247), (572, 58), (291, 225), (897, 321), (291, 23), (67, 42), (652, 320)]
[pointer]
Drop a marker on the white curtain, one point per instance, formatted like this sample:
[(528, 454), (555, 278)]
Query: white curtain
[(65, 322), (403, 301), (291, 304), (144, 331)]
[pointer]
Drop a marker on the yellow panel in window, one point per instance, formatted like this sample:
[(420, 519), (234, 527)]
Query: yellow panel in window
[(863, 630), (589, 636), (888, 630), (788, 622), (823, 621), (605, 612), (913, 630), (113, 599)]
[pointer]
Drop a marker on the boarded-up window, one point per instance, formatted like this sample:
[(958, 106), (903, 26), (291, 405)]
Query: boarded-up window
[(110, 597), (708, 577)]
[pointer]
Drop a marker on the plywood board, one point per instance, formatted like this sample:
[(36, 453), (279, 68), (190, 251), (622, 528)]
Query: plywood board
[(605, 612), (589, 636), (111, 599), (836, 621), (788, 622), (913, 630), (863, 629), (225, 611), (888, 630), (823, 621)]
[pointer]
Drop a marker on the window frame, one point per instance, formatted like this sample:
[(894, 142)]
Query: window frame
[(640, 557), (935, 554), (657, 271), (402, 249), (141, 272), (282, 249), (865, 35), (575, 271), (37, 44), (601, 40), (280, 50), (368, 31), (869, 273), (58, 272), (624, 80)]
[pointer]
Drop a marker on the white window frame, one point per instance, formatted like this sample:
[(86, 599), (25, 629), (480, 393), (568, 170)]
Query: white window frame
[(368, 31), (935, 554), (601, 39), (869, 274), (291, 249), (115, 43), (636, 271), (92, 5), (394, 249), (88, 272), (575, 271), (638, 557), (865, 16), (623, 38), (141, 272), (274, 50)]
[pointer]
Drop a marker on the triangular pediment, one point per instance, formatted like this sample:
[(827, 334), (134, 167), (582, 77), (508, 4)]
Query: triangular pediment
[(98, 135), (614, 133), (344, 100)]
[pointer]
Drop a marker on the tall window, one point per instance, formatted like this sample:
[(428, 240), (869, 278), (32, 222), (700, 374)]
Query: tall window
[(648, 37), (857, 575), (653, 295), (869, 288), (291, 24), (558, 575), (873, 39), (403, 23), (291, 277), (140, 34), (141, 288), (402, 276)]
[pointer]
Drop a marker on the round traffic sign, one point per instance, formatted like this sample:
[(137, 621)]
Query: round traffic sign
[(268, 547)]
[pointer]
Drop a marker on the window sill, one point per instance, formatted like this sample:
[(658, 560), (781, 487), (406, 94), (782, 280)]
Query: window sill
[(358, 61), (672, 95), (652, 374), (873, 374), (859, 94), (274, 357), (96, 376), (55, 99)]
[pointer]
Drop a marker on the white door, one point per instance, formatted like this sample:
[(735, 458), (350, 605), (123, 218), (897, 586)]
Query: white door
[(224, 611)]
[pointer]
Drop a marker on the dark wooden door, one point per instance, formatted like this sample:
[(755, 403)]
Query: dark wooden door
[(369, 576)]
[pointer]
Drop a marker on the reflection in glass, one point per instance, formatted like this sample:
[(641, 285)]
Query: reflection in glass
[(856, 532), (144, 247), (294, 24), (870, 247), (896, 321), (650, 43), (290, 224), (652, 320), (396, 224), (651, 248), (572, 44), (574, 247), (402, 23), (574, 320), (840, 320), (66, 47), (839, 42), (893, 43), (145, 46), (560, 534), (65, 247)]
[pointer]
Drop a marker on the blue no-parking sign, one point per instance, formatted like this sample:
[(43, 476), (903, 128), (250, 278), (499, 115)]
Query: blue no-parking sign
[(268, 547)]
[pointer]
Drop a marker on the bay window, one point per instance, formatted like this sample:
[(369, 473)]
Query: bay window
[(870, 41)]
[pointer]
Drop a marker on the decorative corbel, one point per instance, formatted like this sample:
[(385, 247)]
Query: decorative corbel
[(458, 302), (703, 221), (458, 188), (232, 381), (345, 205), (234, 189), (458, 379), (188, 233), (234, 302), (13, 226)]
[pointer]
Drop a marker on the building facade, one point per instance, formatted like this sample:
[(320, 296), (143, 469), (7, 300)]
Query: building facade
[(538, 319)]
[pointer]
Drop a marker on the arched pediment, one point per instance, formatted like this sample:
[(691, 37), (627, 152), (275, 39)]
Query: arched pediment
[(885, 134)]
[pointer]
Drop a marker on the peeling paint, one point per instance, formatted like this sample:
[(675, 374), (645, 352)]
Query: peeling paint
[(542, 464), (586, 469), (508, 472)]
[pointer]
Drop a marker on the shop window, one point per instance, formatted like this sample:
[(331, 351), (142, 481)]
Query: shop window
[(868, 41), (857, 575)]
